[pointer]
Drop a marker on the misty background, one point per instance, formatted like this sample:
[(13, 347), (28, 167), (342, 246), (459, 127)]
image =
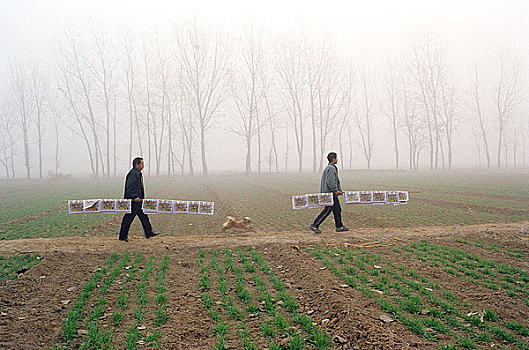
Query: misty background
[(238, 86)]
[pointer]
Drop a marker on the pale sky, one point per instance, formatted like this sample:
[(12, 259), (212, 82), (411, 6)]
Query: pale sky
[(371, 27)]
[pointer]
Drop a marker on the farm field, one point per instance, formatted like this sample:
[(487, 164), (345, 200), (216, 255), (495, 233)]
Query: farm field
[(449, 270), (37, 209)]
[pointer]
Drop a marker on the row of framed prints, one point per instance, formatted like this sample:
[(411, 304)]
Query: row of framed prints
[(150, 206), (316, 200)]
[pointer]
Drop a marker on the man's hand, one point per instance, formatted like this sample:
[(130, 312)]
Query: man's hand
[(338, 193), (137, 199)]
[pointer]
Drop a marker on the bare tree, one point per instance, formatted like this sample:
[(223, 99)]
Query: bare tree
[(130, 64), (103, 68), (412, 124), (350, 110), (203, 58), (23, 106), (506, 94), (247, 91), (391, 100), (271, 119), (480, 118), (185, 121), (427, 66), (56, 126), (76, 81), (165, 72), (449, 116), (273, 126), (289, 68), (161, 114), (147, 119), (333, 102), (315, 59), (364, 117), (72, 82), (7, 141), (39, 91)]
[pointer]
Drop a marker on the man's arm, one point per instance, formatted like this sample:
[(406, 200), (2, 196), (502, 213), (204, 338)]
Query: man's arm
[(132, 186), (332, 181)]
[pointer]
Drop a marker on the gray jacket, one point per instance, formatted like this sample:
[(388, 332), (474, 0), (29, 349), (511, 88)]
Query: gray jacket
[(329, 179)]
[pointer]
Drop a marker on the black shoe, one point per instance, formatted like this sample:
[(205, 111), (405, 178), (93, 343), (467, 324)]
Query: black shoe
[(125, 239), (314, 229), (342, 229), (152, 235)]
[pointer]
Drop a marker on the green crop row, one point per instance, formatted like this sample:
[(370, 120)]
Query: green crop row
[(267, 301), (77, 312), (133, 334), (417, 303), (474, 269), (515, 253), (11, 267), (109, 293)]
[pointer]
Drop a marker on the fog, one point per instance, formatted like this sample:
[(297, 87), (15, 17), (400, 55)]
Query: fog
[(205, 87)]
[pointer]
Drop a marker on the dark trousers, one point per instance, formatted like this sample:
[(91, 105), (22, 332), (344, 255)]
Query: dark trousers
[(129, 217), (336, 210)]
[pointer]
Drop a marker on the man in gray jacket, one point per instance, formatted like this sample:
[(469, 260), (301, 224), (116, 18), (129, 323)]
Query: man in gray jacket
[(330, 183)]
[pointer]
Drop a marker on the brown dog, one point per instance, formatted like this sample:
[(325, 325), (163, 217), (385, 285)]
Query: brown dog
[(232, 223)]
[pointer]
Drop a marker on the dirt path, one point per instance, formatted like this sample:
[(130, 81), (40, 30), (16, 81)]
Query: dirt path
[(517, 231)]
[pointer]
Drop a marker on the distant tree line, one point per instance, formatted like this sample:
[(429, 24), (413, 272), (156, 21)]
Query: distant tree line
[(123, 93)]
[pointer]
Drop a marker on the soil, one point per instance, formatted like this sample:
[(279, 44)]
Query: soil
[(32, 306)]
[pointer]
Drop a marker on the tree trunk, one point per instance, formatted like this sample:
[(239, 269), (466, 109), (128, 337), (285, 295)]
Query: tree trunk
[(203, 149), (39, 137), (258, 121), (500, 132), (56, 148), (286, 152), (248, 168), (26, 152), (350, 149), (396, 147)]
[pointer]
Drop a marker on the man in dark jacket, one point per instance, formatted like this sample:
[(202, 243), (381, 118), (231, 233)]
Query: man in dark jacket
[(330, 183), (134, 190)]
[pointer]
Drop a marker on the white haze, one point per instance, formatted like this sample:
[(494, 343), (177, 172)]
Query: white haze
[(366, 33)]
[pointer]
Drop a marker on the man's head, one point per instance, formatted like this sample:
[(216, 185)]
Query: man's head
[(332, 158), (138, 163)]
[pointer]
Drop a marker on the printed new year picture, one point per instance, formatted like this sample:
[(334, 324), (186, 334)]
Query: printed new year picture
[(180, 207), (92, 205), (75, 207), (206, 208), (165, 206), (300, 202), (123, 206), (150, 206), (326, 199)]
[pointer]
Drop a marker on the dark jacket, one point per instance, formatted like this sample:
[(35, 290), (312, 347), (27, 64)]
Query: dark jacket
[(329, 179), (134, 185)]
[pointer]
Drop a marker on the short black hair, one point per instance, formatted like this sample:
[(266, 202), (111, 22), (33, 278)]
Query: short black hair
[(136, 161), (331, 156)]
